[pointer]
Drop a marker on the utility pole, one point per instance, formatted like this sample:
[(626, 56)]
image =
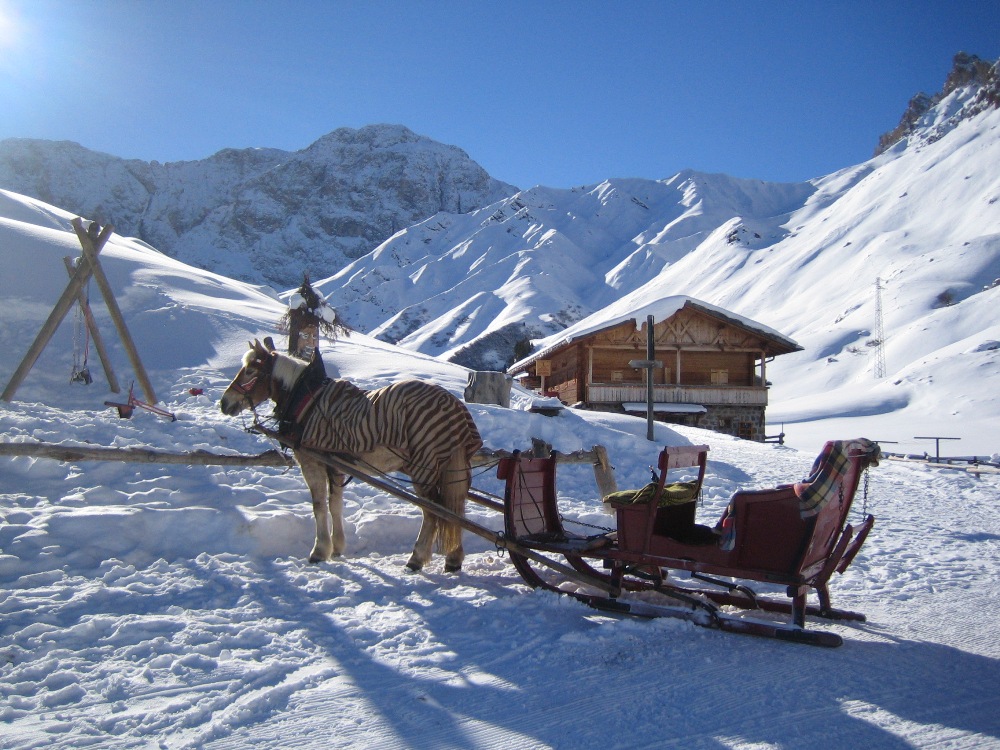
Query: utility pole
[(879, 332)]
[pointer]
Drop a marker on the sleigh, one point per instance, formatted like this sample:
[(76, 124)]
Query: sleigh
[(794, 536)]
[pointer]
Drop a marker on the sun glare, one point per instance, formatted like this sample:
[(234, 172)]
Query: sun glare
[(8, 27)]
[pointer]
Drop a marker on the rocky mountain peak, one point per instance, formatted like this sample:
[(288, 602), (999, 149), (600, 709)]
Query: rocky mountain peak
[(977, 83)]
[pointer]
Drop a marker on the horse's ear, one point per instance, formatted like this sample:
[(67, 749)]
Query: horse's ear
[(269, 343), (258, 349)]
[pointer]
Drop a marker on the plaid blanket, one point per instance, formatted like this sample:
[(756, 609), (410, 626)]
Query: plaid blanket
[(823, 483), (829, 472)]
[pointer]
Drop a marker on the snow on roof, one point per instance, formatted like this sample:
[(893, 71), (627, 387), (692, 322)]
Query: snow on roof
[(630, 308)]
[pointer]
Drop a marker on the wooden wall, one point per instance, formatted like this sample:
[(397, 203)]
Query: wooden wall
[(705, 345)]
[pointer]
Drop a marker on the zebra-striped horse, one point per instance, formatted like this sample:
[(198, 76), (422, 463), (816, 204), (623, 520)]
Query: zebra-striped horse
[(414, 427)]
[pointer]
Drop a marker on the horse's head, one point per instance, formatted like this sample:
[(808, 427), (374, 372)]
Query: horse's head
[(252, 383)]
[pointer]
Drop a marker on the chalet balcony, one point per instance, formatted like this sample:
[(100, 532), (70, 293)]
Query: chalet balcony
[(706, 395)]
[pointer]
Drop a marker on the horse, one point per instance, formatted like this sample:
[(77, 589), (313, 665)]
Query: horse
[(411, 426)]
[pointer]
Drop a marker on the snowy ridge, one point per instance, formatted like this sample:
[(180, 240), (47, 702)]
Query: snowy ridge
[(541, 260), (260, 215)]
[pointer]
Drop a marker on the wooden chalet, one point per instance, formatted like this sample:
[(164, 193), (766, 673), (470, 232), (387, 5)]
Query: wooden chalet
[(713, 371)]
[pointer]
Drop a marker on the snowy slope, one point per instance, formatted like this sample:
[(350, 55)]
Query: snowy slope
[(926, 221), (171, 606), (468, 287)]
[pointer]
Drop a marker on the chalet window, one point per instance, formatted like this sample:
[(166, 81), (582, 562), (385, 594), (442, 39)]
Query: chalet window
[(720, 377)]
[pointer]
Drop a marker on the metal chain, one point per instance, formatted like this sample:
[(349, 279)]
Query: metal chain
[(864, 503), (565, 520)]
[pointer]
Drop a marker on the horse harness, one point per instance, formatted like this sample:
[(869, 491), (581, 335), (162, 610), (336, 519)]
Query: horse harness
[(290, 408)]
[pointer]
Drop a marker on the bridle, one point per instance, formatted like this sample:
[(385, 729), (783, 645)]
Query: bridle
[(247, 388)]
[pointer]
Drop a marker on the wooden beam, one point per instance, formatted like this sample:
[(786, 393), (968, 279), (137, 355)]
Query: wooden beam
[(604, 472), (140, 455), (484, 457), (95, 333), (88, 240), (62, 306)]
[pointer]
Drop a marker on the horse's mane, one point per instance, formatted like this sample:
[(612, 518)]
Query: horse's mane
[(287, 369)]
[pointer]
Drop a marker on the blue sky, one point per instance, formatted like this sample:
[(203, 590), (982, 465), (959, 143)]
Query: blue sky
[(554, 93)]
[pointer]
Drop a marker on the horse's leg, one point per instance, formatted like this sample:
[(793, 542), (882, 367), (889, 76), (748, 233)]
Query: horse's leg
[(455, 484), (425, 539), (336, 483), (315, 474)]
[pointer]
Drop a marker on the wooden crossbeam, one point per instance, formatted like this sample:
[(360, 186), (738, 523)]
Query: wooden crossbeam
[(88, 241), (69, 296), (92, 241)]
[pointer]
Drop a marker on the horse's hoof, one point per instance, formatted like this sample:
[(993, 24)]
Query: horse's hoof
[(453, 568), (314, 559), (414, 567)]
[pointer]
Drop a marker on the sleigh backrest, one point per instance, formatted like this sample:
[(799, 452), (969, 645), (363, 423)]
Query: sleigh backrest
[(637, 522), (828, 493), (792, 530), (530, 497), (683, 457)]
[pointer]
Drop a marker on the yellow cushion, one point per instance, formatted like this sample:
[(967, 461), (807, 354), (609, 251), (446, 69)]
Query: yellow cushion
[(676, 493)]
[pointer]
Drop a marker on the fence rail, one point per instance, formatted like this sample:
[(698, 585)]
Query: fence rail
[(603, 393)]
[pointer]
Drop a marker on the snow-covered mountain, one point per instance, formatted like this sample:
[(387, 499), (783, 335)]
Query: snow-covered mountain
[(468, 287), (260, 215), (923, 217)]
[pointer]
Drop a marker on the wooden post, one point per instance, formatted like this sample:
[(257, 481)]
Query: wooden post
[(540, 449), (62, 306), (95, 333), (648, 364), (937, 444), (651, 356), (604, 472), (88, 240)]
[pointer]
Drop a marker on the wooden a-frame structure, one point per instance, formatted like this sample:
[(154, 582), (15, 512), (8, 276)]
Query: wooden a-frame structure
[(92, 240)]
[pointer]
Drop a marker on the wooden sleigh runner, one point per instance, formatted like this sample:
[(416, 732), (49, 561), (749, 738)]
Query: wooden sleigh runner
[(794, 535)]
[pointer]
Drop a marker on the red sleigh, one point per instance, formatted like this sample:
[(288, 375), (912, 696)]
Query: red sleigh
[(794, 535)]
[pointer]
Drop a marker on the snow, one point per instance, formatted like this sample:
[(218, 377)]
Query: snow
[(148, 605)]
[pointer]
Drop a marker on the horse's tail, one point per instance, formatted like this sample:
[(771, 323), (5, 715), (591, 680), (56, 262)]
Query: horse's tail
[(456, 478)]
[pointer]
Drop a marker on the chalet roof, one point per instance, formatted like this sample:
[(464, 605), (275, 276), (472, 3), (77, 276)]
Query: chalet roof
[(661, 309)]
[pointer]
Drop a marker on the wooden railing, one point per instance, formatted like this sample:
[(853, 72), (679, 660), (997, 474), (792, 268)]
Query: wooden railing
[(716, 395)]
